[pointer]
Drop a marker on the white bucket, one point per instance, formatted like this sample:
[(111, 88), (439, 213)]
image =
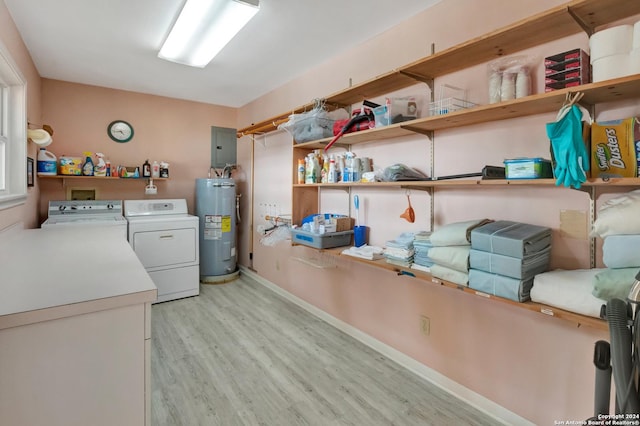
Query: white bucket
[(47, 163)]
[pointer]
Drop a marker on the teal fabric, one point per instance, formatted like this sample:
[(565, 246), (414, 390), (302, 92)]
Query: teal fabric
[(569, 151), (614, 283)]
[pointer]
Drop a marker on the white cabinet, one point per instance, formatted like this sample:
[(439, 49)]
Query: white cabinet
[(88, 369), (75, 329)]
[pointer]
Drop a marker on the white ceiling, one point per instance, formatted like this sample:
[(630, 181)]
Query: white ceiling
[(114, 43)]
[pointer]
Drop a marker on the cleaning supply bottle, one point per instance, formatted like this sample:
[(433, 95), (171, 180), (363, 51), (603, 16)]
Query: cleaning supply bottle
[(333, 173), (347, 173), (146, 169), (155, 170), (100, 169), (87, 167), (47, 163), (164, 169), (301, 170), (325, 169), (311, 169)]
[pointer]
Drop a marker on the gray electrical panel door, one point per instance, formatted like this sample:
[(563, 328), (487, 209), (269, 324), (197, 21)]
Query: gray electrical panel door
[(223, 146)]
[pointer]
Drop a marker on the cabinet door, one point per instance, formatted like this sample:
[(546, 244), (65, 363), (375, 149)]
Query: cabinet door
[(82, 370), (223, 146)]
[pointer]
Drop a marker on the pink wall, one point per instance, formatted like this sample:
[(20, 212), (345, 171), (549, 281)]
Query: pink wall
[(171, 130), (538, 367), (12, 41)]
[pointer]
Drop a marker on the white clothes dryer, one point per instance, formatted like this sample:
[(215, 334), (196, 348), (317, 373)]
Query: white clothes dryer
[(164, 236)]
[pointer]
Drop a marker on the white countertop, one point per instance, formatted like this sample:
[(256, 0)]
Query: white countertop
[(52, 273)]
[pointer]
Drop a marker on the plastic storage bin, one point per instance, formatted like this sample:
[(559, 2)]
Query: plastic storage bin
[(528, 168), (450, 99), (321, 241)]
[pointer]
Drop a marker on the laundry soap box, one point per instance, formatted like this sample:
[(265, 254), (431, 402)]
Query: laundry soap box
[(71, 166), (527, 168), (614, 148), (514, 239)]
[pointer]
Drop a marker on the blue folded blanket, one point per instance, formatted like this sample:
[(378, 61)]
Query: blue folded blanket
[(621, 251), (500, 285)]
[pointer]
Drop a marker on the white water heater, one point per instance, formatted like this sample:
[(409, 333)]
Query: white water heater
[(215, 207)]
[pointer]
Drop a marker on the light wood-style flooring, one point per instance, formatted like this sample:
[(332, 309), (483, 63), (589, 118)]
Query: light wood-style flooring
[(239, 354)]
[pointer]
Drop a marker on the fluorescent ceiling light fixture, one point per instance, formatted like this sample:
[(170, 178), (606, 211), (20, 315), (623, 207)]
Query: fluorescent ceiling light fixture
[(203, 28)]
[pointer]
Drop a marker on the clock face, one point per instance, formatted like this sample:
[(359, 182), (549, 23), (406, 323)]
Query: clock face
[(120, 131)]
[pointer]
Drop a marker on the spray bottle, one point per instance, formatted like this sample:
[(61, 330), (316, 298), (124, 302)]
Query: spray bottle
[(100, 169)]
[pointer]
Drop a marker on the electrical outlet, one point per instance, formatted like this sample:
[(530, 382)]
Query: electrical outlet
[(425, 325)]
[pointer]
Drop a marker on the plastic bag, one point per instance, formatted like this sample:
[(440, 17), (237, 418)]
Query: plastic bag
[(312, 125), (400, 172), (509, 78)]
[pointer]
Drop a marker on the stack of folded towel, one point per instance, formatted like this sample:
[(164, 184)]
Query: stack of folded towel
[(400, 251), (450, 251), (505, 256), (421, 246), (618, 223), (366, 252)]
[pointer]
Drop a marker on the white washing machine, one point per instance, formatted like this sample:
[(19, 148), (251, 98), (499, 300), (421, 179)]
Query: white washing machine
[(87, 213), (165, 237)]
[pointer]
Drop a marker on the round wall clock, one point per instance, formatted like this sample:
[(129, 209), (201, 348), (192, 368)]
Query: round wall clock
[(120, 131)]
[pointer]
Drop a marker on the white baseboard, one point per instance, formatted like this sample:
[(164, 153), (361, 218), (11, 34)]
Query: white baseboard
[(474, 399)]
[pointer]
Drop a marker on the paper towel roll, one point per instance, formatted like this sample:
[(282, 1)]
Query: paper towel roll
[(612, 41), (609, 67), (634, 61), (636, 36)]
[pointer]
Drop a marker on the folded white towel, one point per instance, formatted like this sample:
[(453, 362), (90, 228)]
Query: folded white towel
[(570, 290), (619, 216), (364, 252)]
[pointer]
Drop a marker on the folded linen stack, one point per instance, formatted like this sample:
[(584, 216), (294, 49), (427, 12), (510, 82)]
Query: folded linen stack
[(366, 252), (505, 256), (400, 251), (421, 246), (450, 251), (569, 290), (618, 224)]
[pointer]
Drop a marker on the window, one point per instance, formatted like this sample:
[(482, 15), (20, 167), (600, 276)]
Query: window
[(13, 133)]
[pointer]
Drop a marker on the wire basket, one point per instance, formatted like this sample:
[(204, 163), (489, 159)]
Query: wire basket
[(450, 99)]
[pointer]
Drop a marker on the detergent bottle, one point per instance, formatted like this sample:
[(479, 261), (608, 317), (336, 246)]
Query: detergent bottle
[(87, 167), (100, 169), (47, 163)]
